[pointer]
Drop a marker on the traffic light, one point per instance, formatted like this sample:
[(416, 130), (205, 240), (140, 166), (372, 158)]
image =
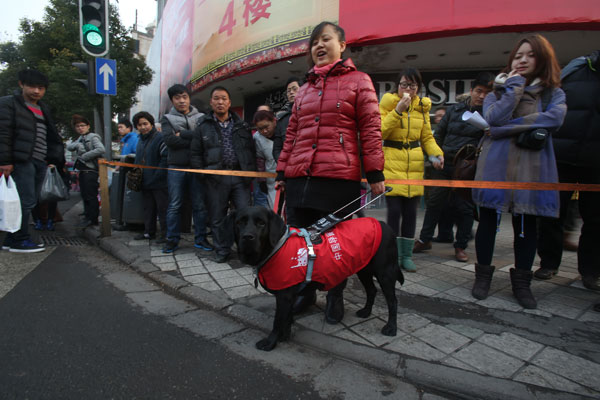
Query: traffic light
[(89, 71), (93, 23)]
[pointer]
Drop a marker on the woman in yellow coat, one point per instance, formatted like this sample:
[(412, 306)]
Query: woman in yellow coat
[(406, 133)]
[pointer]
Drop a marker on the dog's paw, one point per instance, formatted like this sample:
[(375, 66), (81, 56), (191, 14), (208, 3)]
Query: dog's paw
[(266, 344), (389, 330), (363, 312)]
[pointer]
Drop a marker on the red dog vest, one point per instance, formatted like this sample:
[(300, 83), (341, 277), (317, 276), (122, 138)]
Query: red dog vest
[(344, 250)]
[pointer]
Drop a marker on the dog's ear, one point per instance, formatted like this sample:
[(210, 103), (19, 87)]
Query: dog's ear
[(276, 228)]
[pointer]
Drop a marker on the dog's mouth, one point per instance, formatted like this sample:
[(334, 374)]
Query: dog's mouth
[(248, 253)]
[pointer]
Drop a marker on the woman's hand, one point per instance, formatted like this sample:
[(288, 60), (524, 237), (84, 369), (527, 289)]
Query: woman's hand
[(378, 188), (437, 162), (280, 185), (403, 104), (513, 73)]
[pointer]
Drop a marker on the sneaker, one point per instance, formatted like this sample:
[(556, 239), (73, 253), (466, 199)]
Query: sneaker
[(27, 246), (143, 236), (221, 258), (203, 245), (6, 244), (420, 246), (38, 226), (50, 225), (170, 247)]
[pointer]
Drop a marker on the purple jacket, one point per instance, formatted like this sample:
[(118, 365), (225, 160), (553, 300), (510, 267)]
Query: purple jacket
[(502, 160)]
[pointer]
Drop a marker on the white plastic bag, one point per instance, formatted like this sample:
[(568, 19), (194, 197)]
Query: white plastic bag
[(10, 205)]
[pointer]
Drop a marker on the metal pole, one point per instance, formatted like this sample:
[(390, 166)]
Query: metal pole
[(97, 121), (107, 128)]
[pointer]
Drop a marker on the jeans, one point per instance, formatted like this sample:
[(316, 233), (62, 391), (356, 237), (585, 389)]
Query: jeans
[(88, 183), (181, 184), (28, 177), (260, 198), (220, 191), (437, 202), (550, 233)]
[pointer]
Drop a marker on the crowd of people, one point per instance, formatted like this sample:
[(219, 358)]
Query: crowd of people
[(332, 134)]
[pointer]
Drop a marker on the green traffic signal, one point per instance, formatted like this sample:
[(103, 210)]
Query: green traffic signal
[(93, 22), (92, 35)]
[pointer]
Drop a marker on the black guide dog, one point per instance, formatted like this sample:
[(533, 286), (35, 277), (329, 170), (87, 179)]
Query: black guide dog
[(257, 231)]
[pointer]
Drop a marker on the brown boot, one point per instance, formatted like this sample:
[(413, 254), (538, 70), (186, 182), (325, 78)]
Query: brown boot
[(421, 246), (521, 287), (460, 255), (483, 280)]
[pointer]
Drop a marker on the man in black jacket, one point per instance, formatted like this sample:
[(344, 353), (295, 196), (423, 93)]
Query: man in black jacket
[(577, 146), (283, 117), (451, 134), (178, 130), (29, 143), (222, 141)]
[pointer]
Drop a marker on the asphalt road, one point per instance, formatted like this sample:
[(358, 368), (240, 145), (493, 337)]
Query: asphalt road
[(66, 333)]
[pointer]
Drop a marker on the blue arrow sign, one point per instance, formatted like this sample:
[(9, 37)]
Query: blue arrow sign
[(106, 76)]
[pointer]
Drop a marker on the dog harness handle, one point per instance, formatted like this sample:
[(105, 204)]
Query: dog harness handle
[(311, 253)]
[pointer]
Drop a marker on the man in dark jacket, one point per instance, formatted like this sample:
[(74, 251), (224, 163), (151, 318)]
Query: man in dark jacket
[(451, 134), (222, 141), (29, 143), (283, 117), (178, 130), (577, 146)]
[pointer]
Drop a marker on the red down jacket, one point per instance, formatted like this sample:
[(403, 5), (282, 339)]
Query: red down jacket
[(344, 251), (322, 139)]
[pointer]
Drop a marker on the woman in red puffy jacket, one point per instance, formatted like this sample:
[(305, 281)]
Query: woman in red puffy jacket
[(320, 164)]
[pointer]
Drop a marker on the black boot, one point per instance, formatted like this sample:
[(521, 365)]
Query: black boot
[(521, 287), (334, 310), (483, 280), (304, 301)]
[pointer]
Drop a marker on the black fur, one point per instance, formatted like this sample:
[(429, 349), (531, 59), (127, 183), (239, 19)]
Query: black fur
[(257, 231)]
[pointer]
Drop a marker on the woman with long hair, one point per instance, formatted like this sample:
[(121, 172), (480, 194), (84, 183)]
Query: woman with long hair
[(320, 164), (524, 108)]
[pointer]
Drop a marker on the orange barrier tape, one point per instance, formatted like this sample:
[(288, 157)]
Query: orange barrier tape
[(582, 187), (250, 174)]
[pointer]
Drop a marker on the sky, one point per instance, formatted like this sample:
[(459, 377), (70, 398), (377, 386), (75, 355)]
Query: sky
[(34, 9)]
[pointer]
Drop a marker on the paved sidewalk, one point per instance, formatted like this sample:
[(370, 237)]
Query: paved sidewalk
[(446, 340)]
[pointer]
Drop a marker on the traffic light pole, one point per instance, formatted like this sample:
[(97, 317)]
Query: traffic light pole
[(107, 127)]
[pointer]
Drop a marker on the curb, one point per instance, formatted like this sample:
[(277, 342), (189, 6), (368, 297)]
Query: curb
[(437, 377)]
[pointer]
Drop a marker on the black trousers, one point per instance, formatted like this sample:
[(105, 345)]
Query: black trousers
[(155, 204), (444, 201), (550, 233), (220, 191), (88, 183), (524, 243), (405, 208)]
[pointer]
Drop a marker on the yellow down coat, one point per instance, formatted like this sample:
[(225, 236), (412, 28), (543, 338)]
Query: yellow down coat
[(412, 125)]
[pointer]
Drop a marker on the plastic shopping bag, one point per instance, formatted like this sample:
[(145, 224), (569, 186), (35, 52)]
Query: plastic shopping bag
[(10, 205), (53, 187)]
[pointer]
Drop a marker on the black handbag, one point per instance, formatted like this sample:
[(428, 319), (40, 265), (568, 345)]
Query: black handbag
[(134, 179), (465, 166), (533, 140)]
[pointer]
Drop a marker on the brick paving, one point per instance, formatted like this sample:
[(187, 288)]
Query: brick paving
[(438, 319)]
